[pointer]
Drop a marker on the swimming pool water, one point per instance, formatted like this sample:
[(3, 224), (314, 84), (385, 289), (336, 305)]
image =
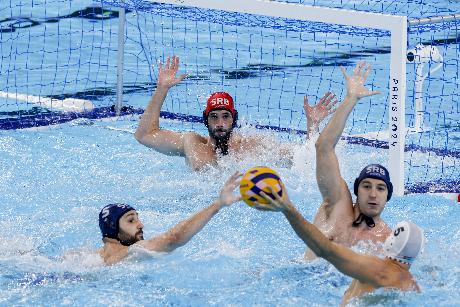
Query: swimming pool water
[(55, 181)]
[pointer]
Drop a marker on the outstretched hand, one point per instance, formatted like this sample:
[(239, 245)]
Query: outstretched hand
[(320, 110), (355, 82), (227, 197), (167, 74), (279, 204)]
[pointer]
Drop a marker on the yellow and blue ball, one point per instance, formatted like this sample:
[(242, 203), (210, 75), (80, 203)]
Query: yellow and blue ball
[(258, 179)]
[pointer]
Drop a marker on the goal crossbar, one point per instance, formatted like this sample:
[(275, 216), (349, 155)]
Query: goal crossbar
[(396, 25)]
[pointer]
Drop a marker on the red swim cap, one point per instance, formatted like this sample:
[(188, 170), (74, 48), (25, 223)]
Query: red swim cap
[(221, 101)]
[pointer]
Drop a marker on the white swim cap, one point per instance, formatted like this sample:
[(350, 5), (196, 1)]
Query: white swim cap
[(405, 243)]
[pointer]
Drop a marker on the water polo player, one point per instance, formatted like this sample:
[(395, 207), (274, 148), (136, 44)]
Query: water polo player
[(219, 116), (368, 272), (338, 218), (121, 227)]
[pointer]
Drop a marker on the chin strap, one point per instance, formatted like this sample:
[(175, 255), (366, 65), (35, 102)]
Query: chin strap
[(364, 218)]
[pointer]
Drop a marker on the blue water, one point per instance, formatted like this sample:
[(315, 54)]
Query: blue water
[(56, 179)]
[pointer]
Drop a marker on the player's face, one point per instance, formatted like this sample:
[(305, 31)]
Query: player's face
[(130, 228), (220, 124), (372, 196)]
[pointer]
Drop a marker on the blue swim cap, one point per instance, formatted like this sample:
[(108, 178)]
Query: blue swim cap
[(109, 217), (375, 171)]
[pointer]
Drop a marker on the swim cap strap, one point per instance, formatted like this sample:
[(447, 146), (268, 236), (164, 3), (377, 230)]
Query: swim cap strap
[(363, 218)]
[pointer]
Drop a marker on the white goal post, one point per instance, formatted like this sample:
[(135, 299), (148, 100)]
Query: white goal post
[(396, 25)]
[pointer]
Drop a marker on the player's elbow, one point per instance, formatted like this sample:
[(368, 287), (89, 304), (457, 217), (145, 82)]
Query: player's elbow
[(329, 251), (382, 278), (176, 239), (173, 241), (321, 249), (322, 144), (142, 136), (138, 135), (318, 252)]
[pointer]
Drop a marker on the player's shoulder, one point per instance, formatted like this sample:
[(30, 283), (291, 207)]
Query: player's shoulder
[(250, 140), (191, 136)]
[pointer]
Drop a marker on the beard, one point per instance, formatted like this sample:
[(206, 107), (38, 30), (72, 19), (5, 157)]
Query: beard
[(127, 239), (221, 136)]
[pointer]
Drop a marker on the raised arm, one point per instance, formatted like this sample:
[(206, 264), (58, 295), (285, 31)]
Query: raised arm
[(368, 269), (185, 230), (149, 132), (317, 113), (365, 268), (330, 182)]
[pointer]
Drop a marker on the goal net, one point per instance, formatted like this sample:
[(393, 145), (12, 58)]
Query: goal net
[(60, 65)]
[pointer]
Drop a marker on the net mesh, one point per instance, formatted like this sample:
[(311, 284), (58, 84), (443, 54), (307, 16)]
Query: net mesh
[(57, 50)]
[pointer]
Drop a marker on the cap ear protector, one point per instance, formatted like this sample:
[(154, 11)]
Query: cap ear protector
[(369, 172), (234, 115)]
